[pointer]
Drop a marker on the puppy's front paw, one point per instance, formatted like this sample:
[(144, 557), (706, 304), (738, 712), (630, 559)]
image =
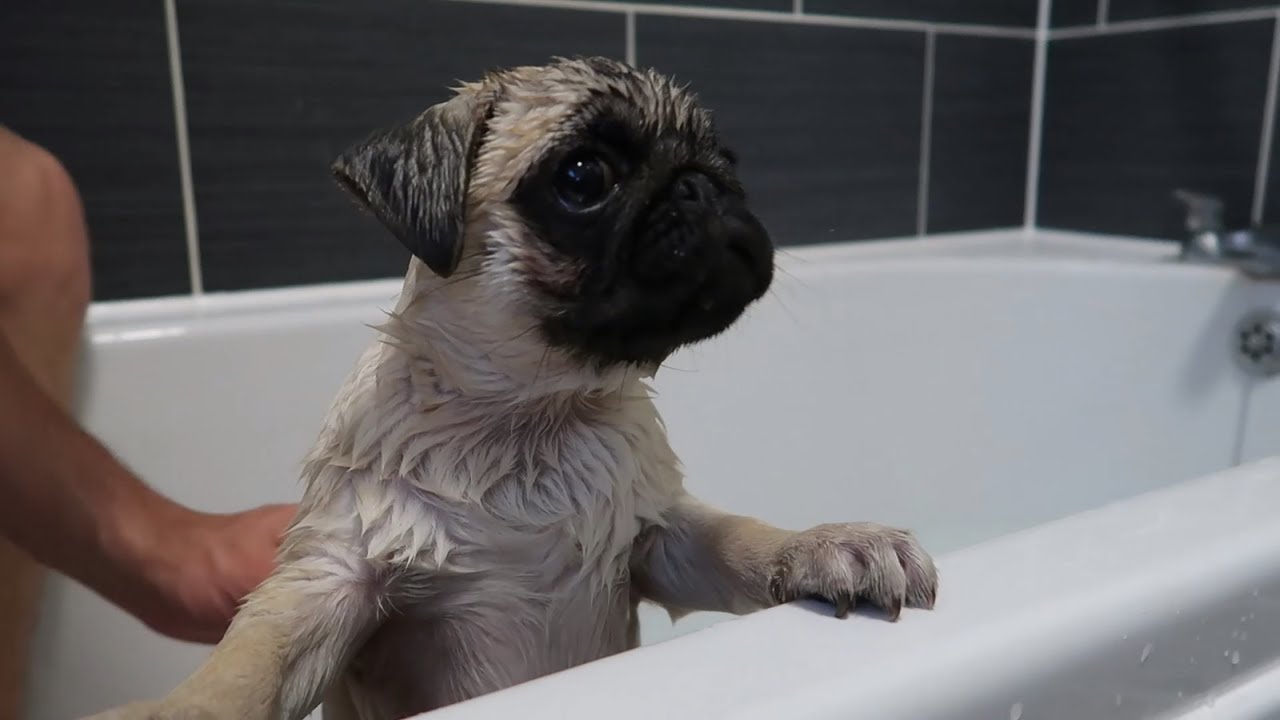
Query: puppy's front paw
[(851, 562)]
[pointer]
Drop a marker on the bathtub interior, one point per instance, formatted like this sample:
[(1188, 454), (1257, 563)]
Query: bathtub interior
[(967, 387)]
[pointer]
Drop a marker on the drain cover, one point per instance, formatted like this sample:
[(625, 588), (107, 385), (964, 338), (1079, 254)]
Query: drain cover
[(1256, 342)]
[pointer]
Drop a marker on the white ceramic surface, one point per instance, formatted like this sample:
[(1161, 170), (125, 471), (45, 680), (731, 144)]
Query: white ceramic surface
[(969, 387), (1153, 607)]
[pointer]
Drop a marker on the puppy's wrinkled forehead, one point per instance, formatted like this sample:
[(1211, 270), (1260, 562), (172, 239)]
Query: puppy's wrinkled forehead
[(538, 109)]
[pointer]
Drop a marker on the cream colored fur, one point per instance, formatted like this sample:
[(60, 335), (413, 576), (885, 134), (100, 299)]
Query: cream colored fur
[(481, 509)]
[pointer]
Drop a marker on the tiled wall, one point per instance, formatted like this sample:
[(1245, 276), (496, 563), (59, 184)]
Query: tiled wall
[(1147, 96), (200, 131), (854, 118)]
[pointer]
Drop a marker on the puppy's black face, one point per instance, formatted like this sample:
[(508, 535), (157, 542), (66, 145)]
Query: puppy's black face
[(655, 244)]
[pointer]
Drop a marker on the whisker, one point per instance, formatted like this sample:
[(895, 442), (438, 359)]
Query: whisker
[(791, 278), (785, 308), (791, 255)]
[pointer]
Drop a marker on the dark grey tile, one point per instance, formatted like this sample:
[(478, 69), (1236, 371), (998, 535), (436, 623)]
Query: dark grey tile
[(276, 89), (774, 5), (1068, 13), (90, 82), (824, 157), (979, 133), (1020, 13), (1136, 9), (1131, 117)]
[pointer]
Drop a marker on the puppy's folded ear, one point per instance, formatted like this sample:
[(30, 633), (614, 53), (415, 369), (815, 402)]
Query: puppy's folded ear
[(414, 178)]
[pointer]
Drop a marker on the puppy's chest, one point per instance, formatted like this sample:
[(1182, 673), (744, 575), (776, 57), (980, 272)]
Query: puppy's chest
[(565, 479), (489, 630), (522, 569)]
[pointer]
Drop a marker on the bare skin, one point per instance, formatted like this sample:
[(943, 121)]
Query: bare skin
[(71, 506), (44, 289)]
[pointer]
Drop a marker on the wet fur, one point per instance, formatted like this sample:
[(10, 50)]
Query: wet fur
[(482, 507)]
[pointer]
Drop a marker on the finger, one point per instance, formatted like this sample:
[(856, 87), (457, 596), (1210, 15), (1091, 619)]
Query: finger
[(922, 592), (895, 609), (844, 603), (885, 583), (777, 583), (922, 575)]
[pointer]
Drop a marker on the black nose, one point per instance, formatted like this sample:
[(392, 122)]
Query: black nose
[(694, 187), (696, 229), (685, 220)]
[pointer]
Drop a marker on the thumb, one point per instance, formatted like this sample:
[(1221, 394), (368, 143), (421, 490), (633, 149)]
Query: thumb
[(278, 517)]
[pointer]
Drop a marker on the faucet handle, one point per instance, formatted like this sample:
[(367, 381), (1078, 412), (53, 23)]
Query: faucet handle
[(1204, 212)]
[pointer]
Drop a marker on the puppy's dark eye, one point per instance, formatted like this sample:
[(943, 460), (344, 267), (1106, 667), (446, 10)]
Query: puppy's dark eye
[(583, 180)]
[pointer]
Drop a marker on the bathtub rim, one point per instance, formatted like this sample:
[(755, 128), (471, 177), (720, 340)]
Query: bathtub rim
[(1008, 248)]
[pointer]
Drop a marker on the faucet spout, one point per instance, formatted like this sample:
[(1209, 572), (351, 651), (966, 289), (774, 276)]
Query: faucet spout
[(1253, 250)]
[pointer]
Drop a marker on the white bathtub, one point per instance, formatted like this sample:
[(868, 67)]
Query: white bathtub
[(1057, 416)]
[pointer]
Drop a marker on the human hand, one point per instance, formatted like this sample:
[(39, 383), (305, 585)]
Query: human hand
[(193, 568)]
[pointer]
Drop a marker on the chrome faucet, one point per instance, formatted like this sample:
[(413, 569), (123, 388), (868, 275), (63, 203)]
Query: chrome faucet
[(1254, 250)]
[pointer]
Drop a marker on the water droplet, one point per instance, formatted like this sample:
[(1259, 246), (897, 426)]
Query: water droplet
[(1235, 657), (1193, 659), (1119, 699), (1179, 693), (1015, 712), (1235, 634), (1226, 653), (1125, 636), (1244, 618), (1146, 653), (1255, 592), (1244, 636)]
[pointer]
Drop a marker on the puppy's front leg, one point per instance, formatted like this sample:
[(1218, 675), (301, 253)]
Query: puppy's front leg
[(705, 559), (292, 637)]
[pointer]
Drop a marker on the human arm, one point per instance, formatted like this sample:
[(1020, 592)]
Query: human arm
[(74, 507), (64, 499)]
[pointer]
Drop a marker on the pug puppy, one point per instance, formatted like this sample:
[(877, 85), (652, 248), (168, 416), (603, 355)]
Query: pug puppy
[(492, 493)]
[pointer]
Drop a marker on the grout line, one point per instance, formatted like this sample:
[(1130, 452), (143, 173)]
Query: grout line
[(631, 37), (1164, 23), (184, 148), (791, 17), (1104, 10), (1032, 200), (926, 134), (1268, 122)]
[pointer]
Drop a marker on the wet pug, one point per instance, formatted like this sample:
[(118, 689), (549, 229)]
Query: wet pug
[(492, 492)]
